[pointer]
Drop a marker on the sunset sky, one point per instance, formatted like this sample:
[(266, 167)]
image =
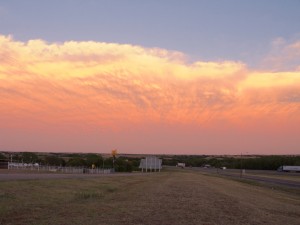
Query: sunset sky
[(153, 77)]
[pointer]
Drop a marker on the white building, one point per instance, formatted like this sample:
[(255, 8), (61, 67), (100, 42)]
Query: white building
[(150, 163)]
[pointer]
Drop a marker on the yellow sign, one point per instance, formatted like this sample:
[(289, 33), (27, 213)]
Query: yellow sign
[(114, 152)]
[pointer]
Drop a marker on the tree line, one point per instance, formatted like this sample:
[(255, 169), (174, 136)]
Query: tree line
[(89, 160), (246, 162), (129, 164)]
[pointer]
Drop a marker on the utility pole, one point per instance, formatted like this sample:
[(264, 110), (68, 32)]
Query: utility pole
[(241, 166), (243, 171), (114, 153)]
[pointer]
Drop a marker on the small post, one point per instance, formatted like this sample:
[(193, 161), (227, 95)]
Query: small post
[(103, 164), (241, 166)]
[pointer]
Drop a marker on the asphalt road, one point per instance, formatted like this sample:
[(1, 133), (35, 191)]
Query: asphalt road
[(273, 177)]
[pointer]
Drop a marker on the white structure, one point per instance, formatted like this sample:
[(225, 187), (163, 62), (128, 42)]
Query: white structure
[(182, 165), (56, 169), (150, 163), (289, 168)]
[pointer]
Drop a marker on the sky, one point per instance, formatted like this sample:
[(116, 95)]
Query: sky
[(150, 77)]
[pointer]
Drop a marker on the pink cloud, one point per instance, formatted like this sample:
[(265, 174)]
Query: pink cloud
[(119, 95), (283, 56)]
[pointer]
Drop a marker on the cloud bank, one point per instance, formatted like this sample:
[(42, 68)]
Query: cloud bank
[(284, 55), (111, 87)]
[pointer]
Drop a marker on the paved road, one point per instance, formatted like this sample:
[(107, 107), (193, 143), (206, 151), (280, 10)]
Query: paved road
[(257, 175)]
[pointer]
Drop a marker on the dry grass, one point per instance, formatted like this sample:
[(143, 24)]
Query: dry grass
[(172, 197)]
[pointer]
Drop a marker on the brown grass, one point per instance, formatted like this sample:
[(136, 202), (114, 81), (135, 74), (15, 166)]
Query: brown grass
[(172, 197)]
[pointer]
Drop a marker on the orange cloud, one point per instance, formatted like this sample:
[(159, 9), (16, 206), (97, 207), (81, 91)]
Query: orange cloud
[(96, 85), (107, 84)]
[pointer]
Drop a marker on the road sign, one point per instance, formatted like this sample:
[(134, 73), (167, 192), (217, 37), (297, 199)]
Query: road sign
[(114, 152)]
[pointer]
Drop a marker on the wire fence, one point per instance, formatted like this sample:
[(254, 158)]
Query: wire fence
[(57, 169)]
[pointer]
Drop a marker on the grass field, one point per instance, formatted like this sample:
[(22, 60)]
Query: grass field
[(169, 197)]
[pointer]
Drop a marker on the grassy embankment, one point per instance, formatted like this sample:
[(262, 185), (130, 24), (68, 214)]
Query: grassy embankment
[(172, 197)]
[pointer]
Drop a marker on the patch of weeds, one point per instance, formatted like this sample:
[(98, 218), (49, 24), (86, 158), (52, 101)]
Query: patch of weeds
[(109, 188), (5, 195), (251, 182), (86, 195)]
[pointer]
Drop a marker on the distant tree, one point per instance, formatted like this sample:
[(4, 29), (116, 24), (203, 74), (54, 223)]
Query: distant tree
[(16, 157), (54, 161), (108, 162), (77, 161), (195, 161), (135, 162), (2, 156), (94, 159), (123, 165), (296, 161), (29, 157)]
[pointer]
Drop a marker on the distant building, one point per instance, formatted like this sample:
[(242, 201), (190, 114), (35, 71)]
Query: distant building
[(150, 163)]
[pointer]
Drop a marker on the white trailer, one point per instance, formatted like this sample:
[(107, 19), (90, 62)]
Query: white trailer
[(289, 169), (182, 165)]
